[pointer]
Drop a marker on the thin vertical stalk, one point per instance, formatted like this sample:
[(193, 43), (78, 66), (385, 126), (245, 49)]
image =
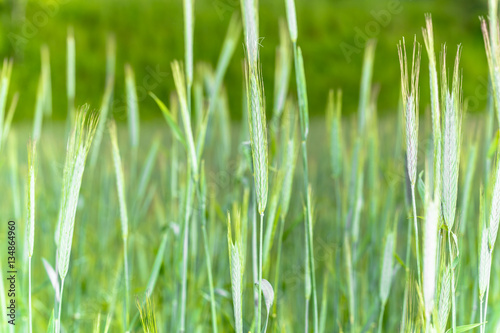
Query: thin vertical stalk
[(309, 237), (304, 129), (185, 251), (486, 306), (210, 279), (436, 114), (278, 262), (307, 278), (255, 268), (5, 74), (58, 321), (188, 46), (350, 284), (408, 246), (70, 74), (127, 282), (493, 62), (259, 302), (453, 305), (306, 326), (120, 188), (481, 320), (202, 201), (31, 220), (78, 147), (257, 122), (381, 317), (417, 242), (30, 318)]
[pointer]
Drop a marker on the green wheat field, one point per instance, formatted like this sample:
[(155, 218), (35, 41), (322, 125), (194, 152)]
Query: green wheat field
[(189, 221)]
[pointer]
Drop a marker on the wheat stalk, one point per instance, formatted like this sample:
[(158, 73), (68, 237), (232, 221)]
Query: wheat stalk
[(39, 107), (8, 119), (236, 264), (281, 81), (491, 43), (282, 71), (132, 107), (334, 110), (185, 248), (484, 272), (106, 102), (257, 122), (32, 164), (47, 80), (300, 79), (428, 35), (230, 43), (77, 149), (429, 257), (387, 274), (258, 133), (444, 299), (120, 188), (147, 314), (410, 98), (188, 42), (451, 159), (4, 89), (494, 210), (180, 86), (488, 239), (70, 74), (202, 189), (290, 153), (451, 143)]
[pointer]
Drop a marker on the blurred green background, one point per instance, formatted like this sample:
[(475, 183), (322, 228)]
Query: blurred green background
[(149, 35)]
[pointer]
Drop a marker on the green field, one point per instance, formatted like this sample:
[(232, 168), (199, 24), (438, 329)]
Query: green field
[(153, 187)]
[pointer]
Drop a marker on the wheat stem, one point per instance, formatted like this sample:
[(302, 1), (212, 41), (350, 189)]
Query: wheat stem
[(127, 282), (201, 197), (255, 264), (417, 246), (58, 321), (453, 305), (31, 219), (278, 263), (481, 319), (381, 317), (259, 302), (185, 251), (486, 305), (30, 319), (309, 238), (70, 75)]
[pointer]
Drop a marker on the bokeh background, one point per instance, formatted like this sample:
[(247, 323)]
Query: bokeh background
[(149, 35)]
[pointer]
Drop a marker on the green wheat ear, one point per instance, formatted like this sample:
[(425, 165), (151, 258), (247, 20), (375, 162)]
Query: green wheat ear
[(258, 132), (147, 314), (180, 85), (77, 149)]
